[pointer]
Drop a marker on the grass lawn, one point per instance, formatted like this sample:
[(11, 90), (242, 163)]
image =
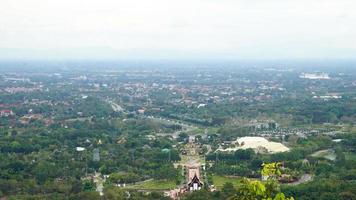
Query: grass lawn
[(220, 180), (154, 185), (350, 156)]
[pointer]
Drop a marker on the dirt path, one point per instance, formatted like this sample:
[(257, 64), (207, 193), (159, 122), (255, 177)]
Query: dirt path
[(99, 181), (304, 179)]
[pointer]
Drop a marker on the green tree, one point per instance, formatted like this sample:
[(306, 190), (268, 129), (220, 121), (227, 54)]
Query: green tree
[(228, 190), (114, 193), (92, 195)]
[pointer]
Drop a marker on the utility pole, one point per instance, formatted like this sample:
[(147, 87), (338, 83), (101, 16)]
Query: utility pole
[(86, 166), (132, 155), (169, 155)]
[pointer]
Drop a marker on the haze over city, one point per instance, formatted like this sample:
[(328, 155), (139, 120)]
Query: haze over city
[(186, 29)]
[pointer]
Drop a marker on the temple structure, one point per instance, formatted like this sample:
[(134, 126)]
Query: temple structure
[(195, 184), (193, 177)]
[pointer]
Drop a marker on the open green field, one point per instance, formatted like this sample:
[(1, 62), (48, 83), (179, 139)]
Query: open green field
[(219, 181), (154, 185), (350, 156)]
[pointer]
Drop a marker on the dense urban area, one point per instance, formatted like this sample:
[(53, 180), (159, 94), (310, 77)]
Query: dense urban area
[(83, 131)]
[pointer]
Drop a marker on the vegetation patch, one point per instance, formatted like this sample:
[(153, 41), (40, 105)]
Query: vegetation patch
[(219, 181), (154, 185)]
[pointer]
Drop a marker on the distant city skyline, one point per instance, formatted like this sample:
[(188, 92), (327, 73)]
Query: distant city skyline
[(184, 29)]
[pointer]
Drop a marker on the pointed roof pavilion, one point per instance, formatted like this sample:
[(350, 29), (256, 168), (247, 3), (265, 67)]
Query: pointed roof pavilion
[(196, 180)]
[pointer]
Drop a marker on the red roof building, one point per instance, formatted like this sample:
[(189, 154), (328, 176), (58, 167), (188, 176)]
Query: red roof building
[(6, 113)]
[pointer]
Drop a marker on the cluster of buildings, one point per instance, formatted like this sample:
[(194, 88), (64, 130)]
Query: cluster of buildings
[(13, 90), (315, 76), (6, 113)]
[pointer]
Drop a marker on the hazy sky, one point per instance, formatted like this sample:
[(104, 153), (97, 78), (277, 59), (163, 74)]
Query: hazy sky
[(235, 29)]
